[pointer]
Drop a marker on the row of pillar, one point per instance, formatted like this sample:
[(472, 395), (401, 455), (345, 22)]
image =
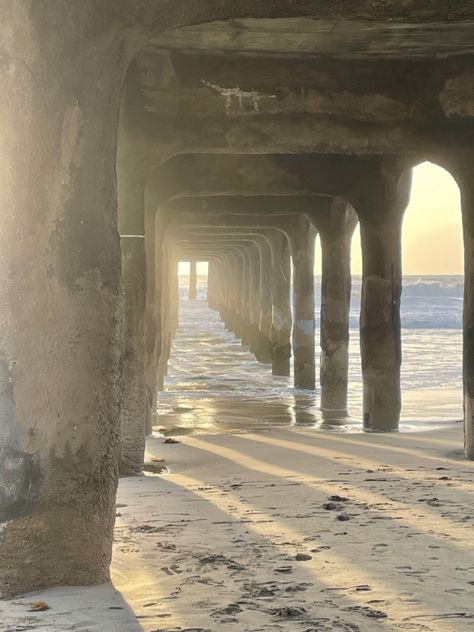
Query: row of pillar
[(249, 285), (250, 276)]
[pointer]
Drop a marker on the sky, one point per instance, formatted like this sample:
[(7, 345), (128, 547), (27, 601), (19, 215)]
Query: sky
[(432, 232), (432, 235)]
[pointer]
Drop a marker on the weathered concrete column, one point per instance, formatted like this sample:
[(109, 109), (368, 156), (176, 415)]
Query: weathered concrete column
[(281, 304), (60, 342), (168, 273), (246, 328), (213, 284), (212, 299), (465, 177), (260, 343), (302, 246), (233, 289), (223, 296), (133, 411), (380, 210), (132, 155), (154, 261), (237, 268), (229, 307), (215, 273), (254, 296), (263, 342), (335, 231), (192, 280)]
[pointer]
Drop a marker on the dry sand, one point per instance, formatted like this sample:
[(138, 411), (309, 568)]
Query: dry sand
[(240, 536)]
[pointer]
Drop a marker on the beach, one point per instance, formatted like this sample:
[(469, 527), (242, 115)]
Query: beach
[(261, 516), (284, 530)]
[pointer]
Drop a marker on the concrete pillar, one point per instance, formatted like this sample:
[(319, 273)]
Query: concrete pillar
[(213, 285), (133, 411), (236, 279), (217, 283), (212, 290), (246, 327), (154, 254), (229, 307), (335, 233), (254, 293), (263, 350), (281, 304), (131, 179), (232, 260), (258, 345), (60, 342), (168, 276), (302, 245), (465, 178), (380, 212), (192, 280)]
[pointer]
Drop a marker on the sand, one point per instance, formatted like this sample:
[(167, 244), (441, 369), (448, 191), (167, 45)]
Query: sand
[(242, 535)]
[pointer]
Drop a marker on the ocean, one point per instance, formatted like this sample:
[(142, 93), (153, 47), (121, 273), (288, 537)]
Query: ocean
[(213, 382)]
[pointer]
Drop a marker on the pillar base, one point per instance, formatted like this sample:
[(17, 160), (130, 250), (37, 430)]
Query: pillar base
[(237, 330), (246, 333), (131, 462), (254, 335), (375, 431), (232, 324), (58, 545), (381, 408), (304, 369), (263, 349), (334, 413), (281, 360)]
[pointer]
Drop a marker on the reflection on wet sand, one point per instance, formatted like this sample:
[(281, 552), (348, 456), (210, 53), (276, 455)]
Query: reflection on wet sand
[(215, 385)]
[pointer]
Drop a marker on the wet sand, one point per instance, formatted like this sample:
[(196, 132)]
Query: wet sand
[(267, 523), (214, 384)]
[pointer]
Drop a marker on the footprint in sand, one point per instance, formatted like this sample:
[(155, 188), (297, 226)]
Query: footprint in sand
[(231, 609), (289, 612)]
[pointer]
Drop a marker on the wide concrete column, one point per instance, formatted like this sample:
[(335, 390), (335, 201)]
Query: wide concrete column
[(192, 280), (335, 231), (60, 342), (302, 246), (380, 209), (281, 303)]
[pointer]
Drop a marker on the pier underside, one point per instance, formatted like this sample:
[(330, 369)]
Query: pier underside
[(139, 134)]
